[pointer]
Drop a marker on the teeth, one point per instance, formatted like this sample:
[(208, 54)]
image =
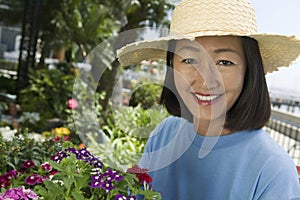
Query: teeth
[(206, 98)]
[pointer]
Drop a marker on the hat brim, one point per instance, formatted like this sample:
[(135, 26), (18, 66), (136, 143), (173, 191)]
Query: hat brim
[(276, 50)]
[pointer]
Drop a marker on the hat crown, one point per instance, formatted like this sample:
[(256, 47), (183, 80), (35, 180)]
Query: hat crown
[(226, 17)]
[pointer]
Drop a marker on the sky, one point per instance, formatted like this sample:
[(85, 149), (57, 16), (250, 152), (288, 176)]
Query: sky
[(281, 17)]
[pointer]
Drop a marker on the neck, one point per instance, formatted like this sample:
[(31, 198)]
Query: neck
[(210, 127)]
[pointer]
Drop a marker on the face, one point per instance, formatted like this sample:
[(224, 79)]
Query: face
[(209, 74)]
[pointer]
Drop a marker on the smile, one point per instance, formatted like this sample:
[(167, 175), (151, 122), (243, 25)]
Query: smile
[(206, 99)]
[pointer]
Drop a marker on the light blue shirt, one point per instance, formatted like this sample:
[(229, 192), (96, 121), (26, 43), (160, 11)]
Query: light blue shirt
[(241, 166)]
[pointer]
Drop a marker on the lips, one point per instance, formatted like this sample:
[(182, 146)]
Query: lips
[(206, 99)]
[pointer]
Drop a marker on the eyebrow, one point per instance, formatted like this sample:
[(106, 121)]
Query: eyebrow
[(189, 48), (227, 50), (221, 50)]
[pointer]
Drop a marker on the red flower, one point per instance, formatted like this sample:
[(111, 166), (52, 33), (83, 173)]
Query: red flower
[(57, 139), (144, 178), (28, 164), (141, 174), (298, 169)]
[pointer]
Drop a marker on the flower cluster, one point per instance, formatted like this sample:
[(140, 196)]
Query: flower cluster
[(105, 180), (62, 134), (25, 174), (75, 173), (18, 193), (58, 134), (81, 154)]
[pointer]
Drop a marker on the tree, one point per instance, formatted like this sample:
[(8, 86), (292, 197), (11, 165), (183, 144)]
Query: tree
[(133, 14), (79, 26)]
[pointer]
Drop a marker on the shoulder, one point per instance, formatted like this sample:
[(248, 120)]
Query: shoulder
[(276, 169), (172, 130), (165, 131), (167, 124)]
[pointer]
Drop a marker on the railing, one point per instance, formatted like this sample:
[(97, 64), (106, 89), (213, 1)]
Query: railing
[(290, 105), (285, 129)]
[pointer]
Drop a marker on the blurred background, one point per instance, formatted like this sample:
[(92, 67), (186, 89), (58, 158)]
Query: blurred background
[(45, 46)]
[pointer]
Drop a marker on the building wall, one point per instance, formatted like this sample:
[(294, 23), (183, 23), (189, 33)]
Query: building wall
[(8, 37)]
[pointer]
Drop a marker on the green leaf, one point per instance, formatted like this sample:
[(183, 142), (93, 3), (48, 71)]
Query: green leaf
[(53, 188), (77, 195), (56, 166), (68, 182)]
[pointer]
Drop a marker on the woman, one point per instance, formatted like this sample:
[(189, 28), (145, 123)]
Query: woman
[(213, 146)]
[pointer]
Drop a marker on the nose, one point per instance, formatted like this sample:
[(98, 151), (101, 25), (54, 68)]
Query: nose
[(206, 75)]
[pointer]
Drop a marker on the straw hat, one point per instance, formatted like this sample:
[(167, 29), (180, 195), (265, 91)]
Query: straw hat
[(195, 18)]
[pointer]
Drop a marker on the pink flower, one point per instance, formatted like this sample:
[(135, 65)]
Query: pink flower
[(54, 172), (66, 138), (140, 173), (46, 166), (28, 164), (19, 193), (72, 103), (137, 170)]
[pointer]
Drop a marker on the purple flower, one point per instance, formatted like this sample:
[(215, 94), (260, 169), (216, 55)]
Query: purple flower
[(123, 197), (19, 193), (82, 154), (107, 185), (96, 181), (46, 166), (106, 180), (86, 156), (34, 179), (96, 162), (59, 156), (111, 174), (28, 164)]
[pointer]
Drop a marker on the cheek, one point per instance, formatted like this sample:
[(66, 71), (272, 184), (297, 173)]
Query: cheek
[(181, 79), (234, 84)]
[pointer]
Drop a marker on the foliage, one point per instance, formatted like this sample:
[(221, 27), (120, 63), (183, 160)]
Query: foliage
[(127, 134), (147, 95), (81, 25), (7, 85), (22, 147), (48, 91)]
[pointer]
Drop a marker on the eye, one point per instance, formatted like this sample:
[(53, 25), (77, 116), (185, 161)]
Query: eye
[(189, 61), (225, 63)]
